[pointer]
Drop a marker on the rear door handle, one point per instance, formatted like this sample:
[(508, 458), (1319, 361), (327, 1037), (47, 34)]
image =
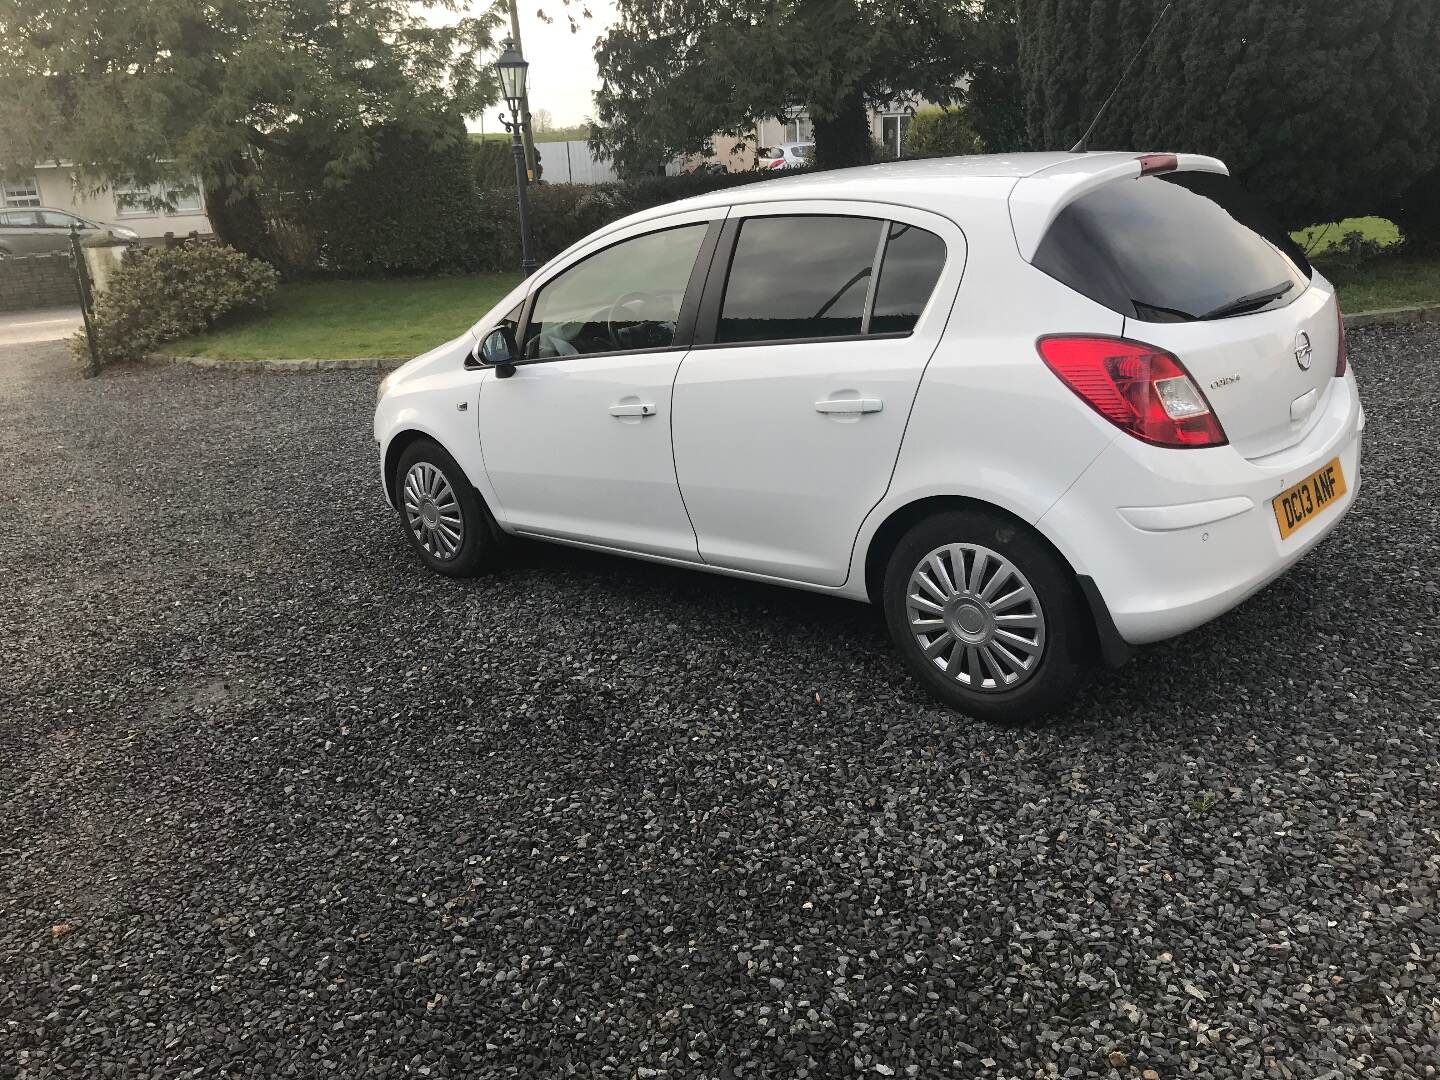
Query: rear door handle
[(849, 405), (633, 408)]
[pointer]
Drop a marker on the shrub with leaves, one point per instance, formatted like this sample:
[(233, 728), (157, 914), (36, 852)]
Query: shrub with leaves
[(942, 133), (164, 294)]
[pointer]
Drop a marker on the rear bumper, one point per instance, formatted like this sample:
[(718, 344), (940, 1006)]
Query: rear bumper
[(1170, 539)]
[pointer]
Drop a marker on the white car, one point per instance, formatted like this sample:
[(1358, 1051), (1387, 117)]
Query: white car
[(1040, 408), (790, 155)]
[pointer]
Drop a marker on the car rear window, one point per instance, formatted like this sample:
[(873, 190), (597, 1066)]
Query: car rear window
[(913, 260), (1174, 248), (795, 278)]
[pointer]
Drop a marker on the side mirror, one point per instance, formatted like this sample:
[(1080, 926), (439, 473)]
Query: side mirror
[(498, 350)]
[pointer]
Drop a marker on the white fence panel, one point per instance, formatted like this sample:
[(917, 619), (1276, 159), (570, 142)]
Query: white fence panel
[(574, 162)]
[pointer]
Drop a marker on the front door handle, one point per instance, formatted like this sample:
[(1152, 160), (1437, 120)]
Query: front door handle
[(849, 405), (633, 408)]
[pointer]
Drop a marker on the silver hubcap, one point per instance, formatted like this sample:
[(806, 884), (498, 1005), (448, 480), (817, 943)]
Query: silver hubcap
[(975, 617), (433, 511)]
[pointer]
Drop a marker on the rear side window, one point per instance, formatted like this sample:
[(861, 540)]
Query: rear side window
[(798, 277), (908, 273), (1174, 248), (802, 278)]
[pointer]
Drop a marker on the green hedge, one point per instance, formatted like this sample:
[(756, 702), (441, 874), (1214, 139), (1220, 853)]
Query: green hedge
[(422, 207), (561, 214), (408, 212)]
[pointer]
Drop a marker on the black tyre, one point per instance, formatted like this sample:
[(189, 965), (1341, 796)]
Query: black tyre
[(444, 518), (986, 616)]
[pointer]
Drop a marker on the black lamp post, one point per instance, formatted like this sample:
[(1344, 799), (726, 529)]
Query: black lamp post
[(512, 68)]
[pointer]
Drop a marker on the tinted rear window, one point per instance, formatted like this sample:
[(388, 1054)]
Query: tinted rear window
[(798, 277), (912, 264), (1174, 248)]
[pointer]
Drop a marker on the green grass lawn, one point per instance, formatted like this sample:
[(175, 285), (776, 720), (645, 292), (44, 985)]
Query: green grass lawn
[(1386, 282), (331, 320), (1318, 239)]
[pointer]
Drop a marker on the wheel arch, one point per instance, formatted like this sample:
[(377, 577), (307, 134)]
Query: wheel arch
[(1109, 645), (407, 437), (398, 444)]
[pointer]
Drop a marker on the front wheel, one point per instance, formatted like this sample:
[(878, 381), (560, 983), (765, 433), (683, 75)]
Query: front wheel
[(985, 615), (444, 518)]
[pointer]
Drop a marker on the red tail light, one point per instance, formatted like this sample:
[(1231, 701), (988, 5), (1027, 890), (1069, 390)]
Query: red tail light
[(1342, 351), (777, 163), (1142, 390)]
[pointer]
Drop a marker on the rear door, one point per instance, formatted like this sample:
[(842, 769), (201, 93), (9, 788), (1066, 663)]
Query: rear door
[(789, 411), (1198, 268)]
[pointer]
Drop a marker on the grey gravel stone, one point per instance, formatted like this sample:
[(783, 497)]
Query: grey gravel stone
[(305, 809)]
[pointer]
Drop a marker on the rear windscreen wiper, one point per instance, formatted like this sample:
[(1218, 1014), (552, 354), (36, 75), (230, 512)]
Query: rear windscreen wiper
[(1250, 300)]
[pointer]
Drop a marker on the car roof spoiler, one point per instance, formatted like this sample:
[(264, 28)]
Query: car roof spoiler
[(1036, 200)]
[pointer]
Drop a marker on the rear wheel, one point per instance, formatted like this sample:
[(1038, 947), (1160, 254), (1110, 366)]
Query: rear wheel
[(985, 615), (444, 518)]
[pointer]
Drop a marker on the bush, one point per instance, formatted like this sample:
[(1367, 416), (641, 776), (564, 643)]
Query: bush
[(1417, 213), (941, 133), (406, 212), (1353, 250), (1318, 107), (163, 294), (492, 163)]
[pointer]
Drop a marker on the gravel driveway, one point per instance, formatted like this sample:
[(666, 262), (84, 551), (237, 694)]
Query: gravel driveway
[(275, 801)]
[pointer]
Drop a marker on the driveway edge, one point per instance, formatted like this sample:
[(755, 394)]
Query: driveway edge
[(359, 363), (1393, 316)]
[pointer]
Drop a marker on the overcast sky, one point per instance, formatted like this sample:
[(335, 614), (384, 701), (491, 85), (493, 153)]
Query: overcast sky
[(562, 64)]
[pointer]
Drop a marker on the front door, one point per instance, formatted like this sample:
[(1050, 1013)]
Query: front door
[(577, 441), (790, 409)]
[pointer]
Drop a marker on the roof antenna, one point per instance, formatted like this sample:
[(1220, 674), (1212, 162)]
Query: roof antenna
[(1079, 147)]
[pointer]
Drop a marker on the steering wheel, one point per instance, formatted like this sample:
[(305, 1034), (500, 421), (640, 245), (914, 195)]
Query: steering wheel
[(611, 316)]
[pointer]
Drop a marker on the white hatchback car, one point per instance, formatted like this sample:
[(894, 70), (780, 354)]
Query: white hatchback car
[(1039, 408)]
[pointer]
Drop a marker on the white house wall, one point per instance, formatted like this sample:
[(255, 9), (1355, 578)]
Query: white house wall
[(57, 190)]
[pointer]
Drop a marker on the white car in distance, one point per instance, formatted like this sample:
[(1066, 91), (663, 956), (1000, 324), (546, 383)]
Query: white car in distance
[(790, 155), (1039, 408)]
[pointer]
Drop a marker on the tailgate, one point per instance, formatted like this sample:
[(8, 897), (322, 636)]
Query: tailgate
[(1265, 374)]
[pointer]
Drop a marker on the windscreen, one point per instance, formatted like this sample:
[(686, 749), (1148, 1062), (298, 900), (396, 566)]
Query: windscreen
[(1175, 248)]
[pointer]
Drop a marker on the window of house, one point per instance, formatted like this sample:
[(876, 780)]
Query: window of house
[(136, 200), (893, 129), (800, 129), (798, 277), (150, 200), (185, 198), (20, 192), (909, 270), (621, 299)]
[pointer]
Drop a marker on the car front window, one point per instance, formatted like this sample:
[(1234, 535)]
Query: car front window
[(621, 299)]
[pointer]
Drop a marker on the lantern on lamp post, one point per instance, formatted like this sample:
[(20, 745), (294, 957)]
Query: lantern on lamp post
[(512, 69)]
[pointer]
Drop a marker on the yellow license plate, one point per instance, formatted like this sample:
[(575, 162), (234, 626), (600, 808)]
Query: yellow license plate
[(1295, 506)]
